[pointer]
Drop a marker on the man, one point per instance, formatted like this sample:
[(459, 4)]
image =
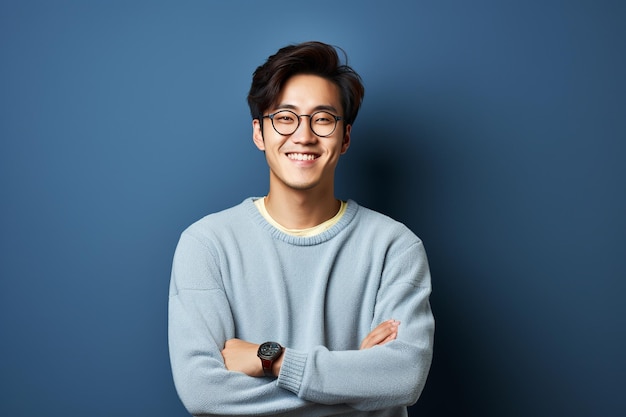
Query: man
[(300, 304)]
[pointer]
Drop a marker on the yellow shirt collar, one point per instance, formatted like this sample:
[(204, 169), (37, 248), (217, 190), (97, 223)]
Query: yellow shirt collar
[(308, 232)]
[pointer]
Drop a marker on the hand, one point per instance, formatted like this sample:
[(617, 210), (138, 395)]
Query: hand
[(383, 333), (240, 356)]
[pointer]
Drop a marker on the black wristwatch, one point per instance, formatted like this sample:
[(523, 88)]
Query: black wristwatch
[(268, 352)]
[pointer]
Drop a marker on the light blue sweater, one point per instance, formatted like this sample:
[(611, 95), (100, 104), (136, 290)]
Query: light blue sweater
[(235, 275)]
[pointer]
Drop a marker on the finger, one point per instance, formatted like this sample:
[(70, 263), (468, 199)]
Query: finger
[(383, 333), (389, 338), (380, 333)]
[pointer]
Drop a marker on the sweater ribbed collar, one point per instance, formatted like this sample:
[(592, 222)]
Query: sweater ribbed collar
[(278, 234)]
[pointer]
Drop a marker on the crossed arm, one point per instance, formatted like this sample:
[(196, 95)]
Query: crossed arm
[(241, 356)]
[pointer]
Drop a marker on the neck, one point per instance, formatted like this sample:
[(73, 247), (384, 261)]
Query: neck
[(301, 209)]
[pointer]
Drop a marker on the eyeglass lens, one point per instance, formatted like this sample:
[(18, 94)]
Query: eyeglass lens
[(286, 122)]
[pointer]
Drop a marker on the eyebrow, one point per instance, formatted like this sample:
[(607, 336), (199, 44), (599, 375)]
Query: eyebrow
[(321, 107)]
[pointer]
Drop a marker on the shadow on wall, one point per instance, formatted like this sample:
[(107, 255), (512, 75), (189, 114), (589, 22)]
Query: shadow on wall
[(380, 174), (392, 172)]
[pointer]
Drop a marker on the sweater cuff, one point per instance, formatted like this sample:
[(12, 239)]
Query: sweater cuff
[(292, 369)]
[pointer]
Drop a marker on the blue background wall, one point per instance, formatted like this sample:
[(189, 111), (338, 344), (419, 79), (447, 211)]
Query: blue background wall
[(494, 129)]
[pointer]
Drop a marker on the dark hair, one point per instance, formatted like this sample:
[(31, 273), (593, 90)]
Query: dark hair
[(313, 58)]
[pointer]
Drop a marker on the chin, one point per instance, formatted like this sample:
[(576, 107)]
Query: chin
[(302, 187)]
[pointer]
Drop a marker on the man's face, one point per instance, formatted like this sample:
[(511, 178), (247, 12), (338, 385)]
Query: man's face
[(303, 160)]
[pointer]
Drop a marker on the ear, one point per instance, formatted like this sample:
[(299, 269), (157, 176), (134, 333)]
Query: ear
[(346, 139), (257, 135)]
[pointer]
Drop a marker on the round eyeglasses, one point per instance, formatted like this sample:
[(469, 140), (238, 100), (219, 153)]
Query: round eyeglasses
[(286, 122)]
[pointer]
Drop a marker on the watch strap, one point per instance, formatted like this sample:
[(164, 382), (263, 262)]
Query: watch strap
[(267, 367)]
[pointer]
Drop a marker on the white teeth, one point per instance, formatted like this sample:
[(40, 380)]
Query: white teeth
[(301, 156)]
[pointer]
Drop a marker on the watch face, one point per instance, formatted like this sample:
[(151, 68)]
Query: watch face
[(269, 350)]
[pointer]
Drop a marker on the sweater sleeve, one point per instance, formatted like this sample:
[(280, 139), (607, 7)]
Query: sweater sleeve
[(384, 376), (200, 322)]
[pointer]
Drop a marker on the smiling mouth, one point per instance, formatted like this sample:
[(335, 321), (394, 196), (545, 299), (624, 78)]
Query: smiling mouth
[(302, 156)]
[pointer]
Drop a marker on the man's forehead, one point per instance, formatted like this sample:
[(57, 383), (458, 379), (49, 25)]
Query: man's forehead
[(320, 107), (309, 92)]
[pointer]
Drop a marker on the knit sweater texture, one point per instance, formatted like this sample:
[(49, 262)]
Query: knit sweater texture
[(236, 275)]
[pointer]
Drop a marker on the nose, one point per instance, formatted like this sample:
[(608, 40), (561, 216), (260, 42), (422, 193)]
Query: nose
[(303, 133)]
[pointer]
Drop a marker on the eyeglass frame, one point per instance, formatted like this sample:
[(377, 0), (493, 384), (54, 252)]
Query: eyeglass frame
[(300, 116)]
